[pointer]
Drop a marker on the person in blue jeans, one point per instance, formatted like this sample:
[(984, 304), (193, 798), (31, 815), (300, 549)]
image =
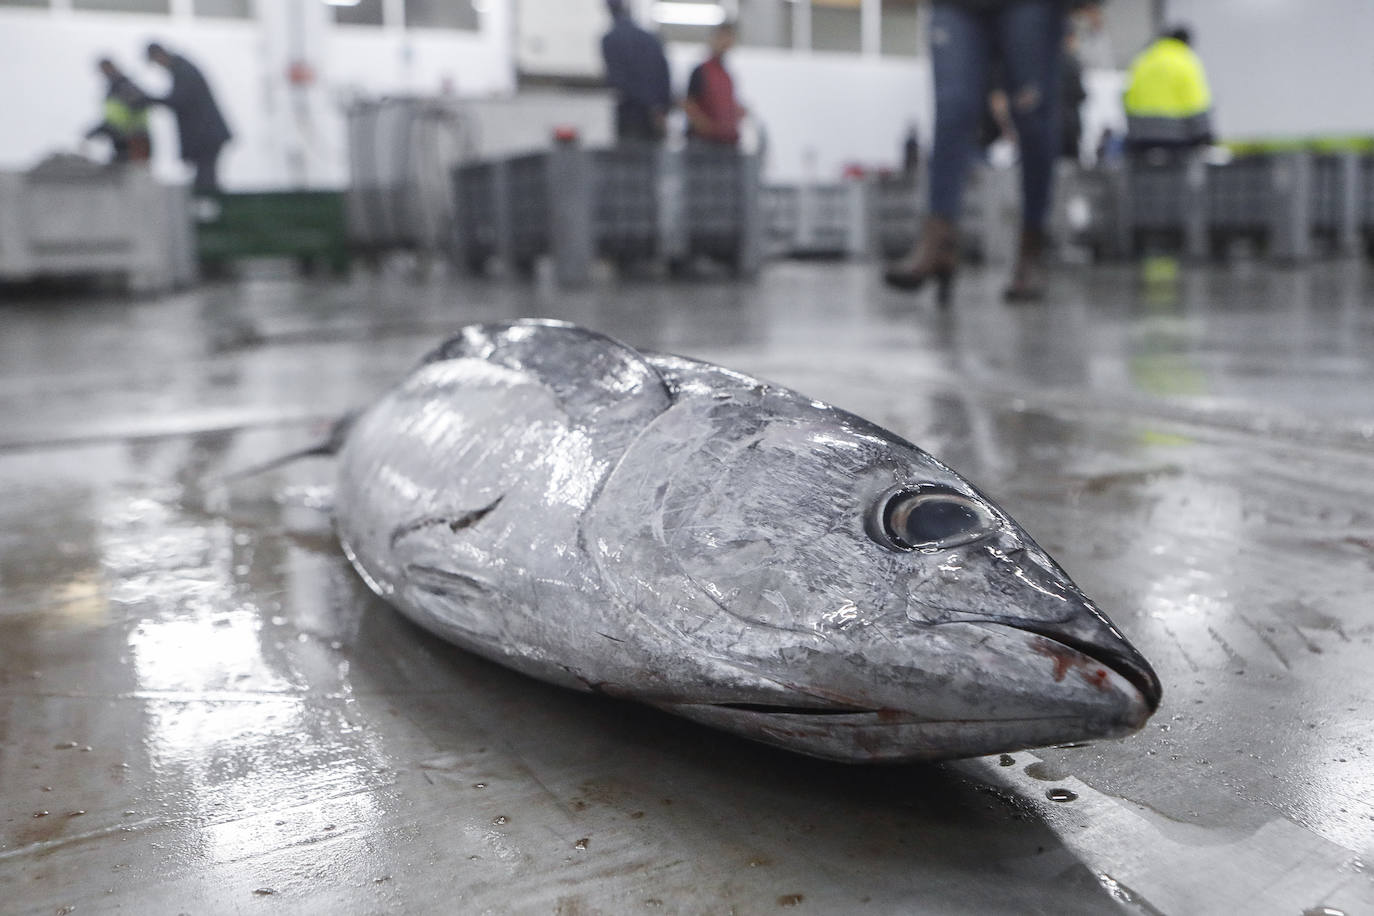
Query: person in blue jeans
[(966, 37)]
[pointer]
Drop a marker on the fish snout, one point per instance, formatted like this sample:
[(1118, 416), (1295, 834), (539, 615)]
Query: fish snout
[(1088, 634), (1050, 606)]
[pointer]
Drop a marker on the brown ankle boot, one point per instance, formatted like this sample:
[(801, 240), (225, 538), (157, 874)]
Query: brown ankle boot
[(1028, 277), (936, 255)]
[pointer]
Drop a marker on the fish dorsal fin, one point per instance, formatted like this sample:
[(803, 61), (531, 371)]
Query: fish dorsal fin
[(596, 379)]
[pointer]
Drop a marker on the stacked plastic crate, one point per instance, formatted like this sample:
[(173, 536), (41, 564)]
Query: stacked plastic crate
[(1365, 196), (71, 217), (894, 209), (401, 153), (1159, 194), (711, 197), (528, 203), (1240, 200), (478, 224), (780, 212), (625, 202)]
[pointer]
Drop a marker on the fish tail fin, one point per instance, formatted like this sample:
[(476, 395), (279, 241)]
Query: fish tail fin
[(338, 432)]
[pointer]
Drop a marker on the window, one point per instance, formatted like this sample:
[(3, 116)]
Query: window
[(902, 26), (125, 6), (442, 14), (765, 23), (688, 21), (836, 25), (364, 12), (224, 9)]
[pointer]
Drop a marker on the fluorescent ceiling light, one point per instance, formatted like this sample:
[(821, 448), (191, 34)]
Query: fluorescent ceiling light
[(342, 2), (689, 13)]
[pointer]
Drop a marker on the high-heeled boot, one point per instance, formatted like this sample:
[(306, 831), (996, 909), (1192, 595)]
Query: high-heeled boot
[(935, 256), (1028, 277)]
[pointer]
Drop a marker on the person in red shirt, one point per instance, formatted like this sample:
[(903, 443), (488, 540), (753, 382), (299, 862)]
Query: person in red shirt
[(713, 113)]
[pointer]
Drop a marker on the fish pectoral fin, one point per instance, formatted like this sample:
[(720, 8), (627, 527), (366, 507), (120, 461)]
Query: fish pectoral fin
[(455, 522), (338, 432)]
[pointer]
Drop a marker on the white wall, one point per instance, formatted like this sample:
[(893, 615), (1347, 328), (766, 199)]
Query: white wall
[(1283, 68), (823, 110), (47, 58)]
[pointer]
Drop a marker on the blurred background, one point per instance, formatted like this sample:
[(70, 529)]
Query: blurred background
[(379, 101)]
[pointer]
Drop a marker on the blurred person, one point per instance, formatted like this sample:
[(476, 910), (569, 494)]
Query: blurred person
[(1072, 95), (1111, 149), (201, 128), (911, 152), (125, 121), (996, 126), (1168, 103), (713, 113), (1093, 41), (637, 70), (967, 37)]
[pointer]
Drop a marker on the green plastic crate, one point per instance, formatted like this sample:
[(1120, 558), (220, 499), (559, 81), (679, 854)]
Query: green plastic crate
[(306, 225), (1335, 143)]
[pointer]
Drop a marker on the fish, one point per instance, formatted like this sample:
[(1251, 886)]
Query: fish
[(660, 529)]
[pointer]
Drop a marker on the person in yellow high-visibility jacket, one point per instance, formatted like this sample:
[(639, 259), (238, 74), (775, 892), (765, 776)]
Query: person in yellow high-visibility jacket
[(1168, 102), (125, 112)]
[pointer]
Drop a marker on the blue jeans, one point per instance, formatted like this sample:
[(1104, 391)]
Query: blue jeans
[(1027, 37)]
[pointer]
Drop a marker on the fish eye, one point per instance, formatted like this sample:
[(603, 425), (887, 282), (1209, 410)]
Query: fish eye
[(929, 517)]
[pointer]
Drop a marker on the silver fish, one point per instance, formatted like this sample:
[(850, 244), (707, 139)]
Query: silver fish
[(669, 531)]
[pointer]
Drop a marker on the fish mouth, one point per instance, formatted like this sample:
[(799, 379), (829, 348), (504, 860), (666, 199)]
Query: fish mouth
[(1117, 655), (785, 710), (851, 734), (1110, 691)]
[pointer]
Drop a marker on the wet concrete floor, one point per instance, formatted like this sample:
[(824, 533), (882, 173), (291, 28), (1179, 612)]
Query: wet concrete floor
[(203, 710)]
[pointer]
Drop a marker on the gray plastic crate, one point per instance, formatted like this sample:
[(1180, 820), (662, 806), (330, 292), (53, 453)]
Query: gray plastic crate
[(1240, 196), (529, 201), (837, 224), (1337, 199), (625, 201), (479, 212), (401, 154), (1183, 205), (69, 217), (712, 204), (827, 220), (1328, 190), (1364, 195), (1159, 195), (1161, 205), (1366, 171), (779, 206), (1081, 211), (895, 212)]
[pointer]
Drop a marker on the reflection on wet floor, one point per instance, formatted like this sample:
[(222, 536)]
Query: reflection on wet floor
[(201, 705)]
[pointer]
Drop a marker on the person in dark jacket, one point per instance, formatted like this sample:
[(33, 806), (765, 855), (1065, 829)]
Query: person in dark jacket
[(125, 116), (638, 72), (200, 126)]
